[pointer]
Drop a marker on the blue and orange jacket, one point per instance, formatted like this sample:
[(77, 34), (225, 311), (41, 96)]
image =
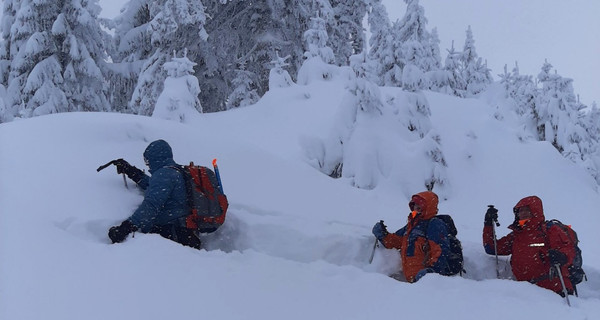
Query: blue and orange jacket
[(422, 241), (529, 245)]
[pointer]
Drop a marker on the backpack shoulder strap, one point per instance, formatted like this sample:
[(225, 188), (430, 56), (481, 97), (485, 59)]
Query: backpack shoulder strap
[(205, 180), (178, 168)]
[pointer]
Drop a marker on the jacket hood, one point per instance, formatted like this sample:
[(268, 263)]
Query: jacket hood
[(158, 154), (428, 201), (535, 206)]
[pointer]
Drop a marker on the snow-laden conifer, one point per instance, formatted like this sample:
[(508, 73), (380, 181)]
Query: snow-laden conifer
[(244, 89), (53, 58), (179, 98), (278, 76), (452, 66), (175, 24), (386, 70), (416, 43), (319, 56), (346, 155), (132, 48), (475, 72), (346, 35)]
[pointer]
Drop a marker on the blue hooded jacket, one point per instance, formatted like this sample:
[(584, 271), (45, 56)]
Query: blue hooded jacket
[(165, 193)]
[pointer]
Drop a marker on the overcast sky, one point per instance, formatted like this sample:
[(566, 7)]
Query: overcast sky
[(567, 33)]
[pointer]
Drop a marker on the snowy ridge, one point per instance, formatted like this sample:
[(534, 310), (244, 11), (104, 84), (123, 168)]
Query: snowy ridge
[(296, 243)]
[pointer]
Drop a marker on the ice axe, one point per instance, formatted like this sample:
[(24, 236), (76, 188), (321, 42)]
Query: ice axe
[(104, 166)]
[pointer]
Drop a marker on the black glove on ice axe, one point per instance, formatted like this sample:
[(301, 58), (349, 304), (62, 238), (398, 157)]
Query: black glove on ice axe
[(123, 167)]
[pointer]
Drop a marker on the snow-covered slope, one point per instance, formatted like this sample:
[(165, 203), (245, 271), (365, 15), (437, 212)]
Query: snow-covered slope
[(296, 243)]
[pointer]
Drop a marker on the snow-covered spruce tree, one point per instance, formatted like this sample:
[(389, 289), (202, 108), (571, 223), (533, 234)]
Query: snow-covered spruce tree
[(82, 55), (438, 176), (523, 92), (410, 44), (279, 77), (366, 93), (133, 32), (179, 98), (413, 79), (291, 19), (416, 42), (318, 55), (346, 35), (175, 24), (8, 45), (346, 155), (438, 79), (251, 32), (244, 89), (591, 123), (561, 120), (240, 32), (132, 48), (386, 70), (416, 117), (452, 66), (417, 114), (57, 52), (412, 113), (475, 73)]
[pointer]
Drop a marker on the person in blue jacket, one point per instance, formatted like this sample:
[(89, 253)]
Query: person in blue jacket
[(164, 207)]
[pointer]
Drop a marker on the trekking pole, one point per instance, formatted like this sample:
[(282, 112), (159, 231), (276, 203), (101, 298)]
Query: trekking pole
[(562, 282), (214, 163), (497, 224), (373, 252), (374, 247)]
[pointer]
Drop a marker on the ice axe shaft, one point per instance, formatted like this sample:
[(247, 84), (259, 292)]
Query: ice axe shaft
[(104, 166)]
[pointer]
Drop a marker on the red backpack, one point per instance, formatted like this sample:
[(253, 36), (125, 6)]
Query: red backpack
[(208, 205), (576, 273)]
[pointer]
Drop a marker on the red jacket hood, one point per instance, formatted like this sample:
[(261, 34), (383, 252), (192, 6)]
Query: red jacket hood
[(535, 205)]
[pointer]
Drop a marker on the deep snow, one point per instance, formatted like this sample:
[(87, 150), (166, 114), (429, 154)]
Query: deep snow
[(296, 242)]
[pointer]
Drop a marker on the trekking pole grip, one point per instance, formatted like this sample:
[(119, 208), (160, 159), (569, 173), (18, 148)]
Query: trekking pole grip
[(374, 246), (491, 206)]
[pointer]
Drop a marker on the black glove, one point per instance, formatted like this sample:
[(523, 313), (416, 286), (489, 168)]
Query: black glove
[(380, 230), (132, 172), (118, 234), (557, 257), (491, 216)]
